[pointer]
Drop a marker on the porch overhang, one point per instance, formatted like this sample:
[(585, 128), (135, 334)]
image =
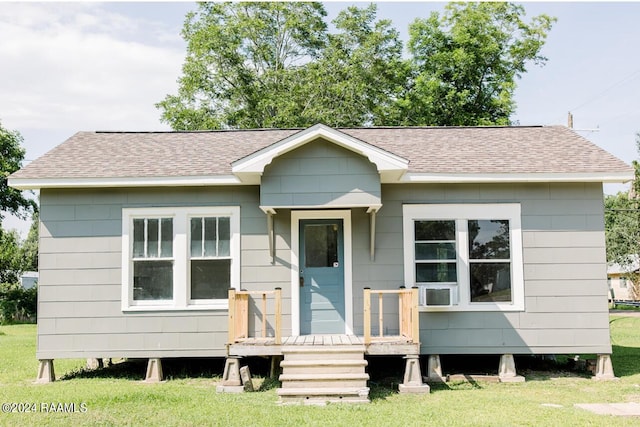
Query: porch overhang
[(391, 167)]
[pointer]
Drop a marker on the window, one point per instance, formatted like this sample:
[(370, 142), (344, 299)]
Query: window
[(465, 257), (152, 259), (210, 258), (179, 258), (623, 282)]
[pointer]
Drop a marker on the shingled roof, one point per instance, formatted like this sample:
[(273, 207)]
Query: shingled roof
[(518, 151)]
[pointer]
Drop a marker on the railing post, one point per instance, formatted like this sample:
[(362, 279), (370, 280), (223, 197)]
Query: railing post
[(264, 315), (278, 309), (402, 312), (380, 315), (367, 315), (415, 316), (232, 315)]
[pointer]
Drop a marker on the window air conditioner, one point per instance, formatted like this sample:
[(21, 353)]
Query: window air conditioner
[(436, 297)]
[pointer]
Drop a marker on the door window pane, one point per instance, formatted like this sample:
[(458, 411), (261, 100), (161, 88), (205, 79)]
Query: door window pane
[(320, 245)]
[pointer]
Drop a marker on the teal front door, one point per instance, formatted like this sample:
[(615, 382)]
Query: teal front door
[(322, 277)]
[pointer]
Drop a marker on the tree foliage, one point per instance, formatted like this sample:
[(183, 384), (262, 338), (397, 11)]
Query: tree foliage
[(465, 63), (11, 157), (265, 65), (622, 227)]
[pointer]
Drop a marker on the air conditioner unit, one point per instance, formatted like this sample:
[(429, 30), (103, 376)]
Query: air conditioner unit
[(436, 297)]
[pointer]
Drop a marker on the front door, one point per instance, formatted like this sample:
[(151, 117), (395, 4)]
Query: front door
[(322, 277)]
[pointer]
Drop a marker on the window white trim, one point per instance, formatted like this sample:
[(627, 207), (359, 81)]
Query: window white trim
[(461, 213), (181, 248), (296, 216)]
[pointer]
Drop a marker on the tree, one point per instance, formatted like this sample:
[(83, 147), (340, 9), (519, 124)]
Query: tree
[(11, 157), (29, 248), (10, 259), (355, 81), (265, 65), (466, 61), (242, 64), (622, 228)]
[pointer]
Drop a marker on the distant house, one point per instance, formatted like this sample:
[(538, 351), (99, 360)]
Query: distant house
[(29, 279), (620, 282), (174, 244)]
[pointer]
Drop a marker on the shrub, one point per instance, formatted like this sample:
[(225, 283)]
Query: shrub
[(17, 305)]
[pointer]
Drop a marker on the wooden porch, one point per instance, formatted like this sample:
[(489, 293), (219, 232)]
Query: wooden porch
[(321, 368), (269, 340)]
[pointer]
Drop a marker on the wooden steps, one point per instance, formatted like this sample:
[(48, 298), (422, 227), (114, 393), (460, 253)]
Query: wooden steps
[(316, 375)]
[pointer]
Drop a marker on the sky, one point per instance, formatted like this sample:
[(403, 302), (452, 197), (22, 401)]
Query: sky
[(79, 66)]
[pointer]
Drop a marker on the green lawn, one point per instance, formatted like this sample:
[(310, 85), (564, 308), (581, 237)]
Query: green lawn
[(115, 396)]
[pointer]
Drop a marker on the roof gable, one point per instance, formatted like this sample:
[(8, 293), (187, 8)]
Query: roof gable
[(390, 166)]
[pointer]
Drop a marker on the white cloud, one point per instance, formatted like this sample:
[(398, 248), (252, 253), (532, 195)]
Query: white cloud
[(79, 66)]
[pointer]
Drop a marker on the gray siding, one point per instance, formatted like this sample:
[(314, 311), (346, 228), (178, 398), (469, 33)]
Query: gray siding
[(79, 308), (320, 174), (564, 271)]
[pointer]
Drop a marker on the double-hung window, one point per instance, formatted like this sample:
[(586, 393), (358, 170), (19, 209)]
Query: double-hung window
[(210, 258), (465, 257), (179, 258)]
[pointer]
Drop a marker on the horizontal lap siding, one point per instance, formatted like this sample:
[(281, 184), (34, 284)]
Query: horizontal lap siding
[(564, 271), (79, 312), (320, 174)]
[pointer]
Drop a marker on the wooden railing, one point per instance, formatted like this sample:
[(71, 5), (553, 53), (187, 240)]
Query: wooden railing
[(409, 327), (239, 313)]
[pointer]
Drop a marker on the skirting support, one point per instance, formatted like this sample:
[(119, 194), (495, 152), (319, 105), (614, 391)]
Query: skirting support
[(154, 371), (413, 377), (507, 370), (434, 369), (46, 373), (93, 364), (231, 381), (604, 368), (275, 370)]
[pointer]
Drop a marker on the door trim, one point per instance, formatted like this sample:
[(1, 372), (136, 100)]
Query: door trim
[(296, 216)]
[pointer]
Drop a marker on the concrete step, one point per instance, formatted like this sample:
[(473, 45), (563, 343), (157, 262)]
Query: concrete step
[(323, 353), (322, 396), (321, 374), (323, 366), (333, 380)]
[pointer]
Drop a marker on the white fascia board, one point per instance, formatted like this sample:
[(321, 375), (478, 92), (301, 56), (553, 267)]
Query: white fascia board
[(256, 162), (611, 177), (177, 181)]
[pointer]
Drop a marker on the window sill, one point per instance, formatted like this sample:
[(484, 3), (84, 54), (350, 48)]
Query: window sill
[(472, 308), (198, 307)]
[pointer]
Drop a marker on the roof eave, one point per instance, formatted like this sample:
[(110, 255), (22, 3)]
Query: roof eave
[(115, 182), (461, 178), (225, 180)]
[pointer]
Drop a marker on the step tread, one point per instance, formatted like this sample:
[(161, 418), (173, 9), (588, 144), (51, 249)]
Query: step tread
[(347, 348), (323, 391), (315, 362), (321, 377)]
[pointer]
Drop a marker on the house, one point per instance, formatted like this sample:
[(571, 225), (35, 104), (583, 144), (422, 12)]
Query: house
[(279, 241), (28, 279), (619, 280)]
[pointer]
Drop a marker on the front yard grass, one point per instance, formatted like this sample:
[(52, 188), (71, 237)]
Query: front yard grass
[(116, 396)]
